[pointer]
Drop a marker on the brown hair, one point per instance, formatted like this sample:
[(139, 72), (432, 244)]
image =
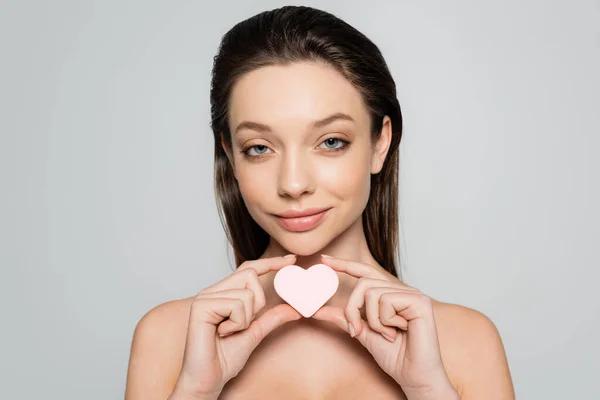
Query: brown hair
[(292, 34)]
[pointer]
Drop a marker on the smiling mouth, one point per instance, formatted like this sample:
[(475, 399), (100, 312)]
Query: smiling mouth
[(302, 224)]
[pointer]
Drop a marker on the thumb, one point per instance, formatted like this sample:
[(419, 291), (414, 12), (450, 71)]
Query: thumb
[(334, 315), (337, 316), (269, 321)]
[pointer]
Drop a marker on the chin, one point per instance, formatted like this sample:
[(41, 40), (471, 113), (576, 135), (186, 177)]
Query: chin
[(302, 247), (301, 243), (305, 243)]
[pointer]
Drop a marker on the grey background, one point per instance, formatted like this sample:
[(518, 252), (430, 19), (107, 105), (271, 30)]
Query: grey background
[(107, 207)]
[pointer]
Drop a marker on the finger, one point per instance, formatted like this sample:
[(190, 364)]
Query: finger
[(367, 337), (334, 315), (245, 280), (246, 276), (255, 268), (388, 315), (247, 269), (354, 268), (409, 306), (246, 295), (269, 321), (417, 310), (209, 312), (265, 265), (356, 301), (372, 297), (361, 270)]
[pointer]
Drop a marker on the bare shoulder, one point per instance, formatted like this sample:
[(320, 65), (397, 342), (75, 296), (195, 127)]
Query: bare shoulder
[(473, 352), (157, 351)]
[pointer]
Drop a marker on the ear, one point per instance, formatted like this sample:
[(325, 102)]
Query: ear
[(382, 146), (227, 152)]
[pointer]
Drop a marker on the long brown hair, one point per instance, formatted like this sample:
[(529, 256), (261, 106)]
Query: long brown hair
[(292, 34)]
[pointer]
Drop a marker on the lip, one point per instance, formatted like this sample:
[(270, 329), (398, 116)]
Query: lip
[(307, 220), (301, 213)]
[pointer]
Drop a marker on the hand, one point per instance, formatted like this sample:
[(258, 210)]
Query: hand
[(210, 360), (412, 354)]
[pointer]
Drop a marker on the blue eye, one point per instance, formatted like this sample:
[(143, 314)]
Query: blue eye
[(261, 147), (334, 140), (251, 147)]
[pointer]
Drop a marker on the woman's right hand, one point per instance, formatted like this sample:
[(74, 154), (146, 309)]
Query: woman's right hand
[(222, 331)]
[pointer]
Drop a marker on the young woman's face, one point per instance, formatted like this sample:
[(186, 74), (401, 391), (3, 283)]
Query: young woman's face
[(291, 164)]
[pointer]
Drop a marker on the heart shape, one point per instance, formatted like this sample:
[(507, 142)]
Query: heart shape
[(306, 290)]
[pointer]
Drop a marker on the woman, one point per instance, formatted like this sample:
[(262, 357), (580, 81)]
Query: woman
[(306, 121)]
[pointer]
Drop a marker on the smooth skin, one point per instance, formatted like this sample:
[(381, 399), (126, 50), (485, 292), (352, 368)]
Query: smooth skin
[(213, 353), (410, 354), (283, 159)]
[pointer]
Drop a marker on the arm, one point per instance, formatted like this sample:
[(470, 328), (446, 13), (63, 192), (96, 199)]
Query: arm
[(485, 373), (157, 352)]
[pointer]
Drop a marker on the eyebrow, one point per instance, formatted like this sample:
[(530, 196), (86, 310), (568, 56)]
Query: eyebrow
[(313, 124)]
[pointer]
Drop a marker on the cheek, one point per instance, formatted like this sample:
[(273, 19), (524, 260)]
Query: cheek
[(253, 186), (252, 191), (347, 180)]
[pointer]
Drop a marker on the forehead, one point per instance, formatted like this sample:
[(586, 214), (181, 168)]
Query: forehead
[(282, 96)]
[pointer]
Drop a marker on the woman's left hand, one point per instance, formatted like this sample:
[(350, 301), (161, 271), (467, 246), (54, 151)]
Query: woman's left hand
[(412, 356)]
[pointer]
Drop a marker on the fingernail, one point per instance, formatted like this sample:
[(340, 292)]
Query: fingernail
[(325, 256), (351, 329), (387, 337), (289, 256)]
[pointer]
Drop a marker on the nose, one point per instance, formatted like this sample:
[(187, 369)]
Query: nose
[(295, 175)]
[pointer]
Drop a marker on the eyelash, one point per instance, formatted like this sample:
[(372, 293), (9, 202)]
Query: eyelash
[(245, 151)]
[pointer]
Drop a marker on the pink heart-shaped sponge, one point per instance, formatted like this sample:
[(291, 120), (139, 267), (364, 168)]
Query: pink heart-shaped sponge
[(306, 290)]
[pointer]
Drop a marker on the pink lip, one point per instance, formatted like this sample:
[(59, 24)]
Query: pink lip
[(301, 224), (301, 213)]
